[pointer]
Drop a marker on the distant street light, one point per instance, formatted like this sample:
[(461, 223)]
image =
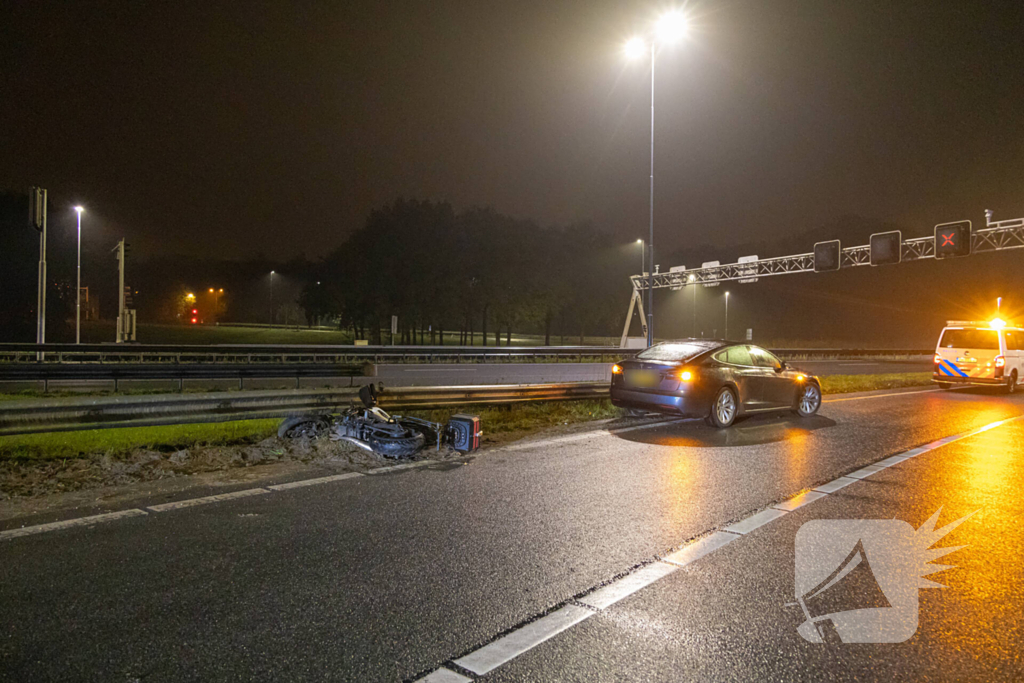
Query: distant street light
[(670, 28), (643, 258), (727, 315), (78, 293), (272, 273), (216, 300)]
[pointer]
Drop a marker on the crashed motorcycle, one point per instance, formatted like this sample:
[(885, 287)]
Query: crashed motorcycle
[(392, 436)]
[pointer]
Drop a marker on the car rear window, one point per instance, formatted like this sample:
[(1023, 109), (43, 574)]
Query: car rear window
[(970, 339), (673, 351)]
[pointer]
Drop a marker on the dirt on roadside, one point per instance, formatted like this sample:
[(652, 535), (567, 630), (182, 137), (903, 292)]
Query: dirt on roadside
[(21, 478)]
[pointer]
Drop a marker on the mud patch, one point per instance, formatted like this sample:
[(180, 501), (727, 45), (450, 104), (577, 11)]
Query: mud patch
[(23, 478)]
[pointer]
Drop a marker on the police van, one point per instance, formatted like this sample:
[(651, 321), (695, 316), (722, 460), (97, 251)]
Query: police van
[(982, 353)]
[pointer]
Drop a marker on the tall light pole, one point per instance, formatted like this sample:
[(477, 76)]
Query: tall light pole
[(727, 315), (272, 297), (693, 330), (643, 258), (78, 293), (669, 28)]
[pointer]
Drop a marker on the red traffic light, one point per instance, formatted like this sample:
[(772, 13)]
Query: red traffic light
[(195, 311)]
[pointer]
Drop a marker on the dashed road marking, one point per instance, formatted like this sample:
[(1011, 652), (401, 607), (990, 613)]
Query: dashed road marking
[(313, 482), (493, 655), (698, 549), (755, 521), (69, 523), (835, 485), (627, 585), (865, 472), (406, 466), (799, 500), (444, 676), (177, 505)]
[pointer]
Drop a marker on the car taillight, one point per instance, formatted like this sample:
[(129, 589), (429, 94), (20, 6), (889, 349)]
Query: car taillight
[(937, 359), (1000, 362), (616, 369)]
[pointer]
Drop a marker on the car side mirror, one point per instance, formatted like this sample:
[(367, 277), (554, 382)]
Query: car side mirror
[(782, 366)]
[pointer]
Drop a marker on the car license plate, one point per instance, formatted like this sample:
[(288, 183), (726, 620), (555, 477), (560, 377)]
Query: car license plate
[(642, 378)]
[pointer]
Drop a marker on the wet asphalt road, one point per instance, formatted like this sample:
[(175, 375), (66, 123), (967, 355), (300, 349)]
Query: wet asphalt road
[(388, 577)]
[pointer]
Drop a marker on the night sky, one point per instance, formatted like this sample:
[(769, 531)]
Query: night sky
[(228, 128)]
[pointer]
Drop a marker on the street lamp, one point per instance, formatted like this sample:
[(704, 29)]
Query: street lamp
[(643, 258), (78, 294), (727, 315), (670, 28), (272, 273), (691, 280)]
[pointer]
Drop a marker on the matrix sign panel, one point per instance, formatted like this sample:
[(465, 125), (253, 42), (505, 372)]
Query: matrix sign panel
[(953, 239), (827, 256), (885, 248)]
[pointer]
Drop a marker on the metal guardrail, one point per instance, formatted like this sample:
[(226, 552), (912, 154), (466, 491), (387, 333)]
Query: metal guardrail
[(56, 415), (256, 354), (168, 354)]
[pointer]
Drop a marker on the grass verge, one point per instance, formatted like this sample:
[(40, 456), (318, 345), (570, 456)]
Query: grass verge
[(55, 445), (845, 384)]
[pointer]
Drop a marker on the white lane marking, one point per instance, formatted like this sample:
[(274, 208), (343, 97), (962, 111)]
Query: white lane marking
[(799, 500), (835, 485), (406, 466), (756, 520), (312, 482), (895, 393), (444, 676), (588, 435), (698, 549), (495, 654), (892, 460), (865, 472), (69, 523), (627, 585), (164, 507)]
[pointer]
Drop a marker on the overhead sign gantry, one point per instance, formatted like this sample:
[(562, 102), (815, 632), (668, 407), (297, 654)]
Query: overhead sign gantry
[(949, 240)]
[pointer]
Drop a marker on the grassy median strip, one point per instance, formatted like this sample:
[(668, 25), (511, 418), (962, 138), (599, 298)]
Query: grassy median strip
[(845, 384), (117, 441), (507, 419)]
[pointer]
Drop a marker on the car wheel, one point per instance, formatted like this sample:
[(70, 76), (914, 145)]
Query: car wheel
[(945, 386), (1011, 384), (724, 408), (809, 400)]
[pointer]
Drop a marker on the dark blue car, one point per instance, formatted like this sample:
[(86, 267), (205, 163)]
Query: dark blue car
[(714, 379)]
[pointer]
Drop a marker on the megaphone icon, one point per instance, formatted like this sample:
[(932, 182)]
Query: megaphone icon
[(851, 586)]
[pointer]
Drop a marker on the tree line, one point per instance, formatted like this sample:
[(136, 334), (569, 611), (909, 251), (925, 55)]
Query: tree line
[(474, 272)]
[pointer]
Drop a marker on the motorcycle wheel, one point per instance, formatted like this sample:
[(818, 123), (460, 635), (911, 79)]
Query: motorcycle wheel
[(303, 426), (397, 446)]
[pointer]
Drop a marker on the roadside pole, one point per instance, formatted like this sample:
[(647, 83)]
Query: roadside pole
[(37, 217)]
